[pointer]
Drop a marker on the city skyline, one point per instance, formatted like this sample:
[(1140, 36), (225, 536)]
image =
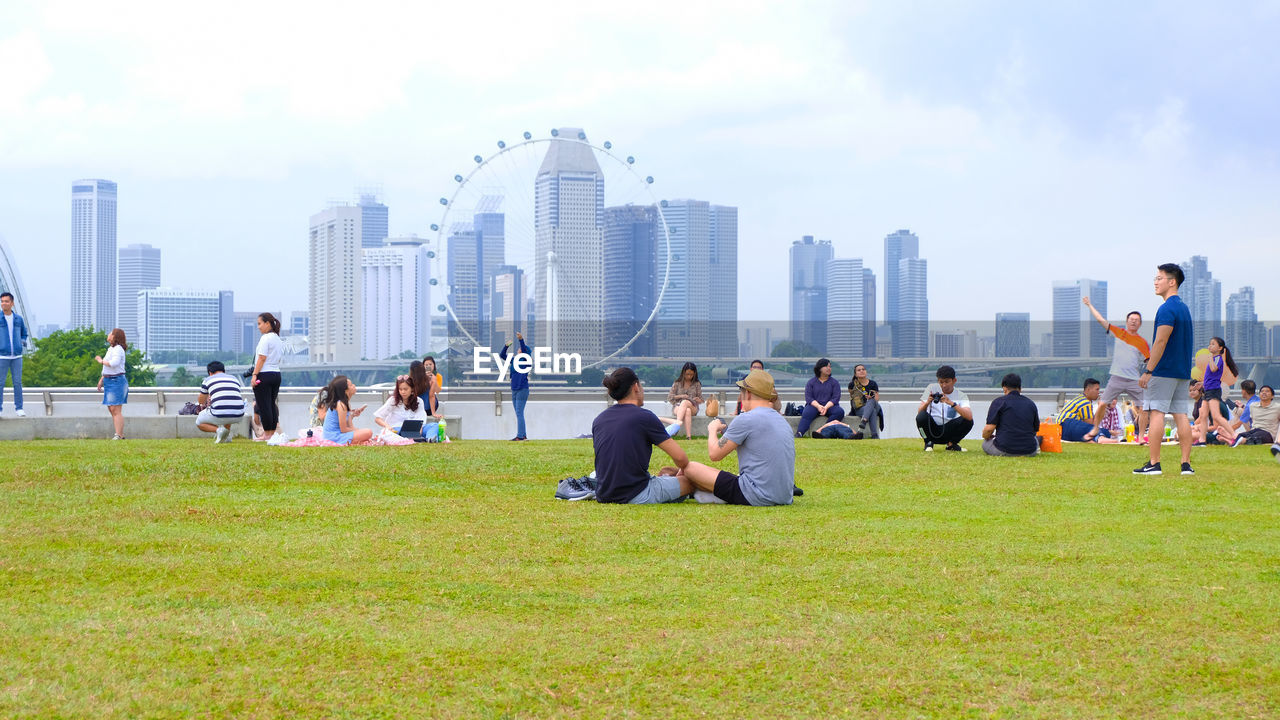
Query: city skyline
[(991, 138)]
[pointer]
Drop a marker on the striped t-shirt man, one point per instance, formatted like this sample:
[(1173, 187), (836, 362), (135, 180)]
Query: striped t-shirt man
[(225, 398)]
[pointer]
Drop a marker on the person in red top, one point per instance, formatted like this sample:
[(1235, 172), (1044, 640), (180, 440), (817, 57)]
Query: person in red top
[(1131, 354)]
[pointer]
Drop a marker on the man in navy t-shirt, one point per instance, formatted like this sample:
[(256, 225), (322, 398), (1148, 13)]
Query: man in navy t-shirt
[(1167, 374), (1012, 422), (623, 437)]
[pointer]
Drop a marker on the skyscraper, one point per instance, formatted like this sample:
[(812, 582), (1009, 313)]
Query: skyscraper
[(568, 237), (844, 285), (335, 291), (1245, 335), (139, 269), (1203, 296), (897, 245), (868, 313), (397, 300), (374, 220), (507, 291), (911, 335), (632, 276), (808, 308), (1013, 334), (93, 254), (475, 251), (722, 228), (1075, 333)]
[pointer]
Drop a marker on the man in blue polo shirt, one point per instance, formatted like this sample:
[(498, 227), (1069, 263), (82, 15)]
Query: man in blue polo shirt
[(1167, 375)]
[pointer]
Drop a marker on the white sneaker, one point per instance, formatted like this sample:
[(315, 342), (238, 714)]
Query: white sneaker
[(21, 413), (221, 435), (705, 497), (278, 439)]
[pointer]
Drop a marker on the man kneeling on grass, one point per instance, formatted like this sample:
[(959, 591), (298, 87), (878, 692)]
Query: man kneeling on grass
[(766, 451), (623, 437)]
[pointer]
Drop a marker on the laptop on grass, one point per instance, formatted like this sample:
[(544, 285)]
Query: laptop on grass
[(412, 429)]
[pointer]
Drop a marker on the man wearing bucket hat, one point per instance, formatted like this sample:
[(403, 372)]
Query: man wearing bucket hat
[(766, 450)]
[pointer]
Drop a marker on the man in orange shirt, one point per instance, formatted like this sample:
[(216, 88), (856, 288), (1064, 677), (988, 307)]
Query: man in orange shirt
[(1130, 360)]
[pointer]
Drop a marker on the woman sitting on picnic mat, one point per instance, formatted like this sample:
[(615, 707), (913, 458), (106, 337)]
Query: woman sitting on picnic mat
[(337, 421), (403, 404)]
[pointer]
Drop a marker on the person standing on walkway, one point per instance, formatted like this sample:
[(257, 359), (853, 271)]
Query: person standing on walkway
[(519, 383), (266, 373), (13, 338), (112, 383), (1167, 375)]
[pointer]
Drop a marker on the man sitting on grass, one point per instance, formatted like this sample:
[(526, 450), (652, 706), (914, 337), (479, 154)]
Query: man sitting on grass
[(223, 402), (766, 451), (623, 436), (944, 414), (1077, 417), (1012, 422)]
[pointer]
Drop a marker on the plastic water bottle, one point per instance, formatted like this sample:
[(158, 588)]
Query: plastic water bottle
[(440, 431), (673, 429)]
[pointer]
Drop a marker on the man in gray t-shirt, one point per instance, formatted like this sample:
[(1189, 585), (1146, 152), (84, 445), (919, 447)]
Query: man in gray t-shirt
[(766, 450)]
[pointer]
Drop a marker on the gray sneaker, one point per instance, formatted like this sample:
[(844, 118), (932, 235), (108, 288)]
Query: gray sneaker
[(573, 490)]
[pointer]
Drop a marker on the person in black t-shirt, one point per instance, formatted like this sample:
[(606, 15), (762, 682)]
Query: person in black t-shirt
[(1012, 422), (623, 437)]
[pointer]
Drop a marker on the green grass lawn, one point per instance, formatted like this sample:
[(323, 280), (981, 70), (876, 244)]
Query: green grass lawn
[(180, 579)]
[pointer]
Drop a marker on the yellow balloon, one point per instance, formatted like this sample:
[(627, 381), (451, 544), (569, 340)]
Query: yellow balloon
[(1202, 359), (1197, 373)]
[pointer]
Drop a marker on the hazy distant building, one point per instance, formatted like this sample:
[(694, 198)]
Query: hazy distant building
[(1273, 341), (1244, 334), (476, 250), (374, 220), (396, 304), (138, 269), (568, 239), (1013, 335), (899, 246), (911, 334), (1075, 333), (93, 254), (335, 290), (808, 307), (868, 313), (508, 293), (1203, 296), (698, 316), (955, 344), (723, 306), (632, 276), (191, 320), (844, 308), (299, 324)]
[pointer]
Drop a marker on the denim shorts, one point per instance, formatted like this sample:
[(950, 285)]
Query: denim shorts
[(115, 390), (661, 489)]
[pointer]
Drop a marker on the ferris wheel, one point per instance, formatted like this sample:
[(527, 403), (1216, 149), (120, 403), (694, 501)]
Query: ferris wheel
[(556, 237)]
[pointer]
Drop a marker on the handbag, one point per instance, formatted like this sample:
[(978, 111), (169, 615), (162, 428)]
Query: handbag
[(1050, 435), (190, 409), (713, 407)]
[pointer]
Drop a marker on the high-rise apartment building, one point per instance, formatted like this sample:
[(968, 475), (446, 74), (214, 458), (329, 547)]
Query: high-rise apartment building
[(299, 324), (1203, 296), (93, 254), (1075, 333), (1013, 334), (138, 269), (722, 306), (191, 320), (845, 315), (808, 307), (868, 313), (911, 334), (1244, 334), (335, 291), (374, 220), (698, 316), (568, 238), (634, 258), (397, 301)]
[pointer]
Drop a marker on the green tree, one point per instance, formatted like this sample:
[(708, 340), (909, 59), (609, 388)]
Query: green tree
[(182, 378), (65, 359), (590, 377), (794, 348)]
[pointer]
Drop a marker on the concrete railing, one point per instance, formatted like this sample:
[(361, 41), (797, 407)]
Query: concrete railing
[(486, 413)]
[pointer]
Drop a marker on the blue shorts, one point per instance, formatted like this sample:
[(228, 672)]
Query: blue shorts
[(115, 390), (661, 489)]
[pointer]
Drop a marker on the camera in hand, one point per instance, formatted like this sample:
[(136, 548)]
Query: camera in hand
[(937, 397)]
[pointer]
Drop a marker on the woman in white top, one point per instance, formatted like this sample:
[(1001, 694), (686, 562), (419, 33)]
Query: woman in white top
[(266, 374), (112, 383), (402, 405)]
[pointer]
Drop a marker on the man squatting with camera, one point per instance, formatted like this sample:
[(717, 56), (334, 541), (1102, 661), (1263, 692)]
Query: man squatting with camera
[(944, 415)]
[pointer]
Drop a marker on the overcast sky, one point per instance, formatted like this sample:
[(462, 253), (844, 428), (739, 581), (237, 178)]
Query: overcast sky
[(1023, 142)]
